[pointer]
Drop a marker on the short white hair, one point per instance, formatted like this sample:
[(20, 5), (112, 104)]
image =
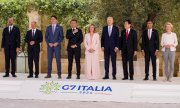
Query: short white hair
[(168, 23), (34, 22)]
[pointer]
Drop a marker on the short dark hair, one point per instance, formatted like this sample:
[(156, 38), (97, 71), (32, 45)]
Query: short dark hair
[(129, 21), (74, 20), (53, 16), (149, 20)]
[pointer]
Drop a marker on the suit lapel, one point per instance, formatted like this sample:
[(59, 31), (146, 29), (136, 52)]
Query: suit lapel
[(51, 30), (56, 29), (35, 33), (152, 34), (31, 36), (107, 31)]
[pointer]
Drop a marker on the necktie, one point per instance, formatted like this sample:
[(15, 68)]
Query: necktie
[(32, 33), (109, 30), (53, 29), (10, 29), (126, 34), (149, 34)]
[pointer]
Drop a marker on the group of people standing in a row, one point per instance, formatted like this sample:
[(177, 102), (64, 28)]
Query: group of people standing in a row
[(111, 42)]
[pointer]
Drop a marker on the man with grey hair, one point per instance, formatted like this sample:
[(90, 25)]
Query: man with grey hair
[(10, 46), (33, 39), (110, 44)]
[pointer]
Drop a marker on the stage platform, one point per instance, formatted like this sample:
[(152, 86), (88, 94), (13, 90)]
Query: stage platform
[(159, 91)]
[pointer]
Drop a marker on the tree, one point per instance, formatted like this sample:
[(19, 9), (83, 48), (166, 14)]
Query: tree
[(139, 11), (64, 9)]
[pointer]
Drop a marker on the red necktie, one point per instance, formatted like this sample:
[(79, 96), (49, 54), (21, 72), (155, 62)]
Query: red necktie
[(126, 34)]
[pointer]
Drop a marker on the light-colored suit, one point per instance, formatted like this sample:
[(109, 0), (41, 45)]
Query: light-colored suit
[(92, 68)]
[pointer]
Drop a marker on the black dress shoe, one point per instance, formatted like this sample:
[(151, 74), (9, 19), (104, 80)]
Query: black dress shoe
[(36, 76), (131, 78), (48, 76), (59, 76), (78, 77), (30, 76), (68, 77), (154, 79), (106, 77), (124, 78), (114, 78), (146, 78), (6, 75), (13, 75)]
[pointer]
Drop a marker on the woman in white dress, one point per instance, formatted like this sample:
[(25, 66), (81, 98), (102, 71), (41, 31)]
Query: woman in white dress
[(91, 42)]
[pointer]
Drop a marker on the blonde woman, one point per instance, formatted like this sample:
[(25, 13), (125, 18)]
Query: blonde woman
[(169, 43), (91, 42)]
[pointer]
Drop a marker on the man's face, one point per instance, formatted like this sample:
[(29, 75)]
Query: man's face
[(53, 20), (73, 24), (110, 21), (33, 25), (10, 21), (149, 25), (127, 25)]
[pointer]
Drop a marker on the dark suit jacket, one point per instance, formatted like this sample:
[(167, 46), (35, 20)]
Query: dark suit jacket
[(38, 38), (11, 39), (57, 37), (76, 38), (110, 41), (130, 44), (153, 43)]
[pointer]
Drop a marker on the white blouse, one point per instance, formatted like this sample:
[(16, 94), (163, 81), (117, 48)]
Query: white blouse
[(169, 39)]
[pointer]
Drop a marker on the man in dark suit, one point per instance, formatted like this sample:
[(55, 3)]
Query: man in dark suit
[(10, 46), (75, 37), (150, 48), (33, 39), (54, 37), (109, 44), (128, 46)]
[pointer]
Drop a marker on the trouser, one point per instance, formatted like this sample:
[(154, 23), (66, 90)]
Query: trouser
[(150, 55), (169, 57), (51, 51), (77, 53), (10, 55)]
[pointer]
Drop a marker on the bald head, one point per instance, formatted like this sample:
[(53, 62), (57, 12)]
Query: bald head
[(110, 21), (33, 24)]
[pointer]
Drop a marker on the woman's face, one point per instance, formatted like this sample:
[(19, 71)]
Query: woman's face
[(91, 28), (168, 28)]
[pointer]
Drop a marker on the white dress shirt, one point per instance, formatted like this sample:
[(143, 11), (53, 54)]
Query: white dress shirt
[(169, 39), (53, 27), (128, 30), (110, 29), (149, 34), (10, 28), (33, 31)]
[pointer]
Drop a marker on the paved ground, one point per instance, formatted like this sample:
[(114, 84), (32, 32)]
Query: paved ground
[(7, 103)]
